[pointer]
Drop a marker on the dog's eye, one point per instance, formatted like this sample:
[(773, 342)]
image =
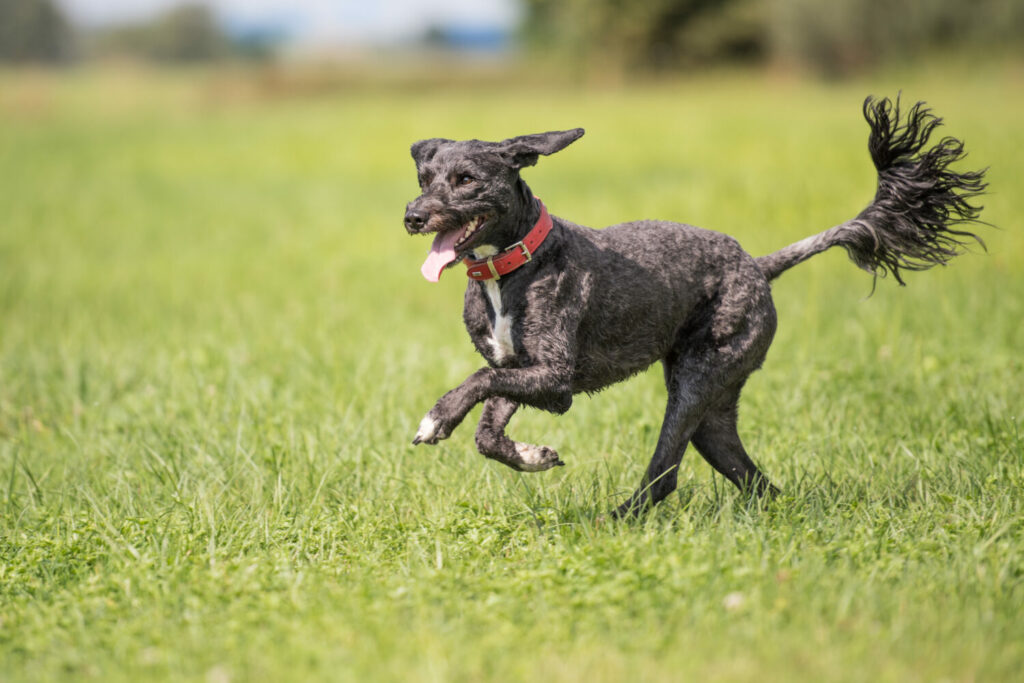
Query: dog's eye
[(464, 179)]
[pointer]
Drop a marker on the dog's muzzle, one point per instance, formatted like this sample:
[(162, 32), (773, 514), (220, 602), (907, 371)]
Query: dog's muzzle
[(415, 219)]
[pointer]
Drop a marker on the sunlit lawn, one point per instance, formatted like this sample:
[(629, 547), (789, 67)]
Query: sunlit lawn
[(215, 346)]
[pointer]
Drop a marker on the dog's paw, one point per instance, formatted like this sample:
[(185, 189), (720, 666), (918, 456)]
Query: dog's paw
[(430, 431), (536, 458)]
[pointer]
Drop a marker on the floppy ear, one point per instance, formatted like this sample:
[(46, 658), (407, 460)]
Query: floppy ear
[(523, 151), (424, 150)]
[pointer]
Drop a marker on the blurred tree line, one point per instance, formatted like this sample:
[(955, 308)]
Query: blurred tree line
[(33, 31), (834, 37), (38, 31), (186, 33), (600, 36)]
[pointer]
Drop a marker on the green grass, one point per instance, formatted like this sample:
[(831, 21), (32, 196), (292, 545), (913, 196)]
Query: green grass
[(215, 346)]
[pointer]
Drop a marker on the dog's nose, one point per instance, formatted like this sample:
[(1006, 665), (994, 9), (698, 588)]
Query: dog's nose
[(415, 219)]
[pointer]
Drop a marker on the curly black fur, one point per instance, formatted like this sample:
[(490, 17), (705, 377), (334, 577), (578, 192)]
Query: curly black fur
[(909, 225), (919, 198)]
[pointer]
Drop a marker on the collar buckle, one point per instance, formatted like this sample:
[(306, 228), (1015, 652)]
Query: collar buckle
[(526, 250), (514, 256)]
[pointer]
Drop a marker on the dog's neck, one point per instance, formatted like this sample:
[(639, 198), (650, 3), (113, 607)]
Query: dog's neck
[(482, 251), (523, 213)]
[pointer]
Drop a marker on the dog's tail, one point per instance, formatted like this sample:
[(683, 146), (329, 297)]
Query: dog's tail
[(909, 225)]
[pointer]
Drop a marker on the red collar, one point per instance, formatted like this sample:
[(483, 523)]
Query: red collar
[(515, 256)]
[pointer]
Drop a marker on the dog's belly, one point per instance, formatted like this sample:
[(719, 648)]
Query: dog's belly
[(599, 366)]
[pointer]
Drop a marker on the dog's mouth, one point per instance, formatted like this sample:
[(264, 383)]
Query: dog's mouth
[(448, 246)]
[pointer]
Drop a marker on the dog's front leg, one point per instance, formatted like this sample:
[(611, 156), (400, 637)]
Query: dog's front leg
[(544, 387), (493, 443)]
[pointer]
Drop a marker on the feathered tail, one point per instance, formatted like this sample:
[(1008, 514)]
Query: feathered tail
[(909, 225)]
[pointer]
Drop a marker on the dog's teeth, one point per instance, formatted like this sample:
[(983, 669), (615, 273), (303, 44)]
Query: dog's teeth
[(472, 226)]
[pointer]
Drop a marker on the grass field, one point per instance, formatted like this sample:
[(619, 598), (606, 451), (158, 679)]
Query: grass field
[(215, 346)]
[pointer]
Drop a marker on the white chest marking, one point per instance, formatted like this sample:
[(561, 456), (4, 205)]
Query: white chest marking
[(501, 331)]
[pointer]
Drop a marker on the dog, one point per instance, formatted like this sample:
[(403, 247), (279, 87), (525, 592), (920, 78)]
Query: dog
[(557, 309)]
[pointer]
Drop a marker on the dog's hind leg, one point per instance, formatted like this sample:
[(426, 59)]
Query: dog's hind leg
[(687, 401), (703, 373), (492, 441), (717, 439)]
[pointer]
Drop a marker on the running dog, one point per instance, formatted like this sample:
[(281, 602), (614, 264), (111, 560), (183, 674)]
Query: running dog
[(557, 309)]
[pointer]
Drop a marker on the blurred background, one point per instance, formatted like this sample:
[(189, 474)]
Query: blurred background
[(600, 40)]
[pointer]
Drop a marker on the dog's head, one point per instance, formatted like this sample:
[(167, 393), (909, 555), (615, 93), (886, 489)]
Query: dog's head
[(472, 194)]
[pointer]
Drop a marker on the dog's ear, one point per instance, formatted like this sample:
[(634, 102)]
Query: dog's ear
[(424, 150), (523, 151)]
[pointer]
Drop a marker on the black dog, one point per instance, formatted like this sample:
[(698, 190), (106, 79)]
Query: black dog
[(557, 309)]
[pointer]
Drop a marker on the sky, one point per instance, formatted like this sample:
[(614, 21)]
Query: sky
[(348, 21)]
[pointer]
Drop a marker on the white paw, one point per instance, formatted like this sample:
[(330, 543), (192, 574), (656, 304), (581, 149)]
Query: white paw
[(536, 458), (427, 433)]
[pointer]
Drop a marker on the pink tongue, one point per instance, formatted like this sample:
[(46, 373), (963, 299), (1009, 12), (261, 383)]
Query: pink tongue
[(442, 252)]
